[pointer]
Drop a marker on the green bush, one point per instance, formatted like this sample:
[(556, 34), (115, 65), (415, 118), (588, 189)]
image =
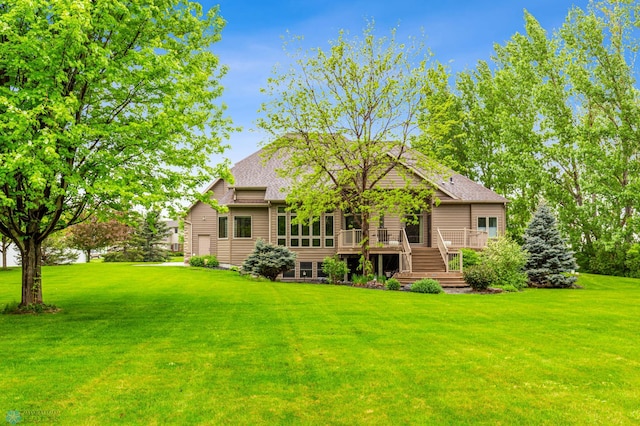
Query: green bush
[(508, 288), (470, 257), (479, 277), (506, 259), (427, 285), (123, 256), (361, 279), (633, 261), (206, 261), (393, 284), (335, 268), (269, 261)]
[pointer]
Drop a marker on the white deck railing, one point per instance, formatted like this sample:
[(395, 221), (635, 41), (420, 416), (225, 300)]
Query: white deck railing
[(458, 238), (452, 258), (405, 254), (378, 238)]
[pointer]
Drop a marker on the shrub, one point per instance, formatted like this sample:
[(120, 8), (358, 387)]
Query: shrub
[(269, 261), (427, 285), (123, 256), (507, 259), (479, 277), (470, 257), (206, 261), (393, 284), (335, 268), (361, 279), (633, 261), (508, 288)]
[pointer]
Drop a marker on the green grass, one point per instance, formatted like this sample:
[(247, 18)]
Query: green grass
[(169, 345)]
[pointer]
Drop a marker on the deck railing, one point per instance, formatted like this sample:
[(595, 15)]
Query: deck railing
[(405, 254), (381, 238), (452, 258), (458, 238)]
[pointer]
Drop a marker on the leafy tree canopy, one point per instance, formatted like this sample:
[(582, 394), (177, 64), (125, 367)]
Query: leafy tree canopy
[(342, 119), (102, 103)]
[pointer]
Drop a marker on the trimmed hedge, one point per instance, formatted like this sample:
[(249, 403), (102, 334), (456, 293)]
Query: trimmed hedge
[(207, 261)]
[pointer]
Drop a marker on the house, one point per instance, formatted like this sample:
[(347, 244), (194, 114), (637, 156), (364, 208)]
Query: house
[(172, 240), (466, 216)]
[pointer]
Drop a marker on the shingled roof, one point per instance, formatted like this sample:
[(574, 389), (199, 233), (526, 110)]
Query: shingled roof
[(258, 171)]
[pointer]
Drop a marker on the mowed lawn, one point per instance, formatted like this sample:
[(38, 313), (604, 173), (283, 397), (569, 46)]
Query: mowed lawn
[(168, 345)]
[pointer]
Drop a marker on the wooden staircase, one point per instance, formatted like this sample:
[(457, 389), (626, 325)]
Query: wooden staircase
[(427, 263)]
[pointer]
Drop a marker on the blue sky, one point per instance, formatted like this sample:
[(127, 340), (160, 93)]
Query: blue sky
[(459, 33)]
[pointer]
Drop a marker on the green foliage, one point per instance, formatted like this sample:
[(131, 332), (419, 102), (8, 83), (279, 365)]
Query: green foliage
[(470, 257), (479, 277), (549, 258), (269, 261), (427, 285), (507, 260), (335, 268), (152, 232), (361, 280), (14, 308), (633, 261), (103, 104), (360, 96), (508, 288), (207, 261), (56, 250), (552, 116), (393, 284)]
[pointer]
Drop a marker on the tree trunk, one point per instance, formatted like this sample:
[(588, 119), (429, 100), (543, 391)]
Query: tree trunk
[(5, 246), (31, 272), (365, 263), (88, 253)]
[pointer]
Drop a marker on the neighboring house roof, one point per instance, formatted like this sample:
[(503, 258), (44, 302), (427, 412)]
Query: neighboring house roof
[(256, 171)]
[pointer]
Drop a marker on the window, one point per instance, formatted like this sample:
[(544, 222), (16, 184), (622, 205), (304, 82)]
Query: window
[(223, 223), (306, 270), (328, 230), (242, 227), (308, 235), (319, 270), (291, 273), (489, 225), (282, 226)]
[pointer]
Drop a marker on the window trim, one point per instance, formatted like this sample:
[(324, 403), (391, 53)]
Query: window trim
[(488, 227)]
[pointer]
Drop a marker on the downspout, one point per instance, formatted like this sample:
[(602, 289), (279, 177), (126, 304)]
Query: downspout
[(270, 219)]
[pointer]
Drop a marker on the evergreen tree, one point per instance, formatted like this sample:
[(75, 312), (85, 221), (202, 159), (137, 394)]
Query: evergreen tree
[(152, 234), (269, 261), (549, 258)]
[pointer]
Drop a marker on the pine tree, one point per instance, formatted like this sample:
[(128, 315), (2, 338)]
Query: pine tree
[(550, 260), (269, 261), (152, 233)]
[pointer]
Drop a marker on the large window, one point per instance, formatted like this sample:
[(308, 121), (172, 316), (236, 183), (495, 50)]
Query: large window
[(242, 227), (309, 235), (223, 227), (489, 225)]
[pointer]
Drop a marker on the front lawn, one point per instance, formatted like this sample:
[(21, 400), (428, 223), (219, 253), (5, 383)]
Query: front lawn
[(171, 345)]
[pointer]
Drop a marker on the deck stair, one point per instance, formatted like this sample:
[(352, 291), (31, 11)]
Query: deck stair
[(427, 263)]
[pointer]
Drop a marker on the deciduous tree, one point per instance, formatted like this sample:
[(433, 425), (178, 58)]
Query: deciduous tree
[(102, 103), (342, 119), (94, 234)]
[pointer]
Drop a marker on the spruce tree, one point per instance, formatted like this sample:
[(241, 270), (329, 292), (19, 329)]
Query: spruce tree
[(550, 260), (269, 261)]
